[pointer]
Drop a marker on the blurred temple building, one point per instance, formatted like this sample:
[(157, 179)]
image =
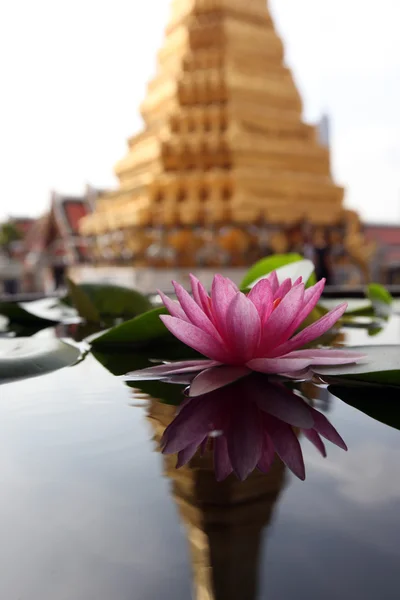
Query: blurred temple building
[(225, 170), (385, 265), (13, 234), (22, 225), (54, 241)]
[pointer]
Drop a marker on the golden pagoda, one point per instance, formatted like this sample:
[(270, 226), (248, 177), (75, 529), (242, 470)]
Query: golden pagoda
[(225, 170), (224, 521)]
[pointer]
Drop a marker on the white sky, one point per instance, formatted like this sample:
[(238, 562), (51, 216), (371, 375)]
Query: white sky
[(73, 73)]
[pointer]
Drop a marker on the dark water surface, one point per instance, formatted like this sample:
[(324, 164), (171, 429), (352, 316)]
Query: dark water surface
[(89, 510)]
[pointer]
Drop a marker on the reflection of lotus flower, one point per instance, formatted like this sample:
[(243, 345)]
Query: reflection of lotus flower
[(254, 332), (248, 422)]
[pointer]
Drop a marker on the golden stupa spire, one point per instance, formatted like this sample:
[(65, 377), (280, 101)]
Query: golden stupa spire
[(224, 142)]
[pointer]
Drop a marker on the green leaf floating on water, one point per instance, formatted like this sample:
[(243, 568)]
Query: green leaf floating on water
[(82, 303), (366, 310), (145, 331), (381, 366), (380, 403), (285, 263), (139, 331), (22, 358), (119, 363), (94, 301), (380, 303), (381, 300), (16, 313)]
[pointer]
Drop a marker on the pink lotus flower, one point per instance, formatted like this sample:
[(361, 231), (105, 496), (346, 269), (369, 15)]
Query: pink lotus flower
[(242, 333), (248, 421)]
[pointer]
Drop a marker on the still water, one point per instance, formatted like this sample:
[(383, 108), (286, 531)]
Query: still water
[(90, 510)]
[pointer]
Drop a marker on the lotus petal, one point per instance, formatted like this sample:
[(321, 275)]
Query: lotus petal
[(278, 365), (287, 446), (310, 301), (312, 332), (194, 313), (222, 463), (267, 454), (279, 323), (327, 430), (222, 294), (185, 455), (190, 426), (173, 307), (215, 378), (244, 327), (245, 441), (315, 439), (170, 369), (196, 338), (278, 401), (262, 297)]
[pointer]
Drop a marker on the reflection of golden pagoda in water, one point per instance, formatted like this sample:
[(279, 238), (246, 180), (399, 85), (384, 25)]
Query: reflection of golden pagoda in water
[(225, 170), (224, 521)]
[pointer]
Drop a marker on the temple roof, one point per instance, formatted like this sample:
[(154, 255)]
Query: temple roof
[(57, 231), (23, 224), (383, 234), (69, 210)]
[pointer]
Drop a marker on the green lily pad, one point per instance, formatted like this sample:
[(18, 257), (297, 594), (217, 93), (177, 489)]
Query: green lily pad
[(119, 363), (22, 358), (366, 310), (83, 304), (381, 366), (380, 303), (380, 403), (50, 309), (147, 332), (381, 300), (360, 322), (26, 330), (16, 313), (374, 329), (286, 266), (138, 332), (94, 301)]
